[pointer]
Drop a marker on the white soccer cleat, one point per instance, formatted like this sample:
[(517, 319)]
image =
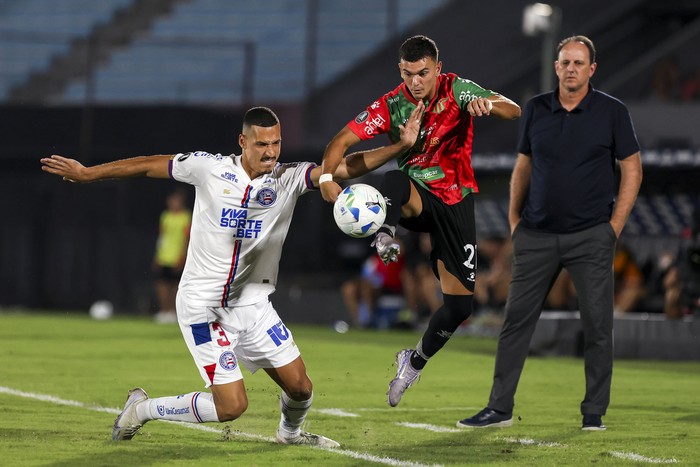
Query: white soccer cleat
[(308, 439), (127, 424), (406, 375), (388, 249)]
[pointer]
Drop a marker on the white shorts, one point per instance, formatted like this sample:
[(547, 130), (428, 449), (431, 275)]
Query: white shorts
[(221, 338)]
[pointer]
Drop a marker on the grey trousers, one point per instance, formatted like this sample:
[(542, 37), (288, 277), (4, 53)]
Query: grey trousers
[(538, 258)]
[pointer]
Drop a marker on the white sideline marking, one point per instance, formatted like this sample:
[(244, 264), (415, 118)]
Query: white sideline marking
[(59, 401), (196, 426), (379, 460), (532, 442), (433, 428), (415, 409), (56, 400), (344, 413), (337, 412), (639, 458)]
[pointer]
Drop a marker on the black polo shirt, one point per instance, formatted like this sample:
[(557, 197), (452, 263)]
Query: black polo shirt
[(573, 184)]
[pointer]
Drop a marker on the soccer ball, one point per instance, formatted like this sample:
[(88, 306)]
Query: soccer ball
[(101, 310), (359, 210)]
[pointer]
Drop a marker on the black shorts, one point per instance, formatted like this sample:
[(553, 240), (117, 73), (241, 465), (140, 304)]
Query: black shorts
[(452, 234)]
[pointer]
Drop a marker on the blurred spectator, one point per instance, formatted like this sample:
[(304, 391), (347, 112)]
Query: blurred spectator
[(656, 271), (682, 281), (361, 294), (690, 90), (673, 292), (495, 259), (421, 287), (629, 280), (171, 251), (665, 80)]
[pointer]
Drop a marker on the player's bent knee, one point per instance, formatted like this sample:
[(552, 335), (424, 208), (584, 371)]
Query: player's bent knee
[(397, 184), (301, 391), (230, 401), (231, 411)]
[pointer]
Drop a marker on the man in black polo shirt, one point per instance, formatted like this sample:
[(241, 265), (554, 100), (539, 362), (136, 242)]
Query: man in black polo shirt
[(564, 214)]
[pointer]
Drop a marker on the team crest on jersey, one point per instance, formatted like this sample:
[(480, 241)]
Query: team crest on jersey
[(266, 197), (440, 105), (361, 117), (227, 361)]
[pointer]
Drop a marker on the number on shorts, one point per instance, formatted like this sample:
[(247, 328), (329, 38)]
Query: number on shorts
[(223, 341), (471, 255)]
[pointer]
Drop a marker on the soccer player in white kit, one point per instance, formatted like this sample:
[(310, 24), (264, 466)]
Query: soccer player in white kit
[(242, 211)]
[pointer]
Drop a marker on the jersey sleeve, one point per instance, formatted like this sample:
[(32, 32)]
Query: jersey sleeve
[(466, 91), (296, 176), (372, 121), (193, 167)]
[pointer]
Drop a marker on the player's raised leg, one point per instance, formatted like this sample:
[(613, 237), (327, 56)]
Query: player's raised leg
[(402, 200), (457, 307)]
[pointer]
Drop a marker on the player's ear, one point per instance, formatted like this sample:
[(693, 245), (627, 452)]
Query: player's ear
[(438, 67), (241, 141)]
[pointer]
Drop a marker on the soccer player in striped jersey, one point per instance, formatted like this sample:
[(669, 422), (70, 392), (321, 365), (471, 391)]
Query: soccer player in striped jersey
[(242, 212), (432, 190)]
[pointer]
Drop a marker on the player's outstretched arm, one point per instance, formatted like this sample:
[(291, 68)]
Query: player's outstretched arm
[(359, 163), (141, 166), (332, 159), (496, 105), (504, 108)]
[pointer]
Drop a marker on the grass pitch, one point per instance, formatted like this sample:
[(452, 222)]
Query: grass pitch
[(63, 378)]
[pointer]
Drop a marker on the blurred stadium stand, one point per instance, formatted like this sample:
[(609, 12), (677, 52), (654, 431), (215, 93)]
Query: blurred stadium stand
[(113, 78), (42, 44), (196, 51)]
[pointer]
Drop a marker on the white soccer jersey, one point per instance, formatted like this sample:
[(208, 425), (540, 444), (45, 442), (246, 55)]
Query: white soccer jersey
[(238, 227)]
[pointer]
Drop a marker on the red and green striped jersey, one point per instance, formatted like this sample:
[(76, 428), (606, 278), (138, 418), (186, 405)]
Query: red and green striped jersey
[(441, 158)]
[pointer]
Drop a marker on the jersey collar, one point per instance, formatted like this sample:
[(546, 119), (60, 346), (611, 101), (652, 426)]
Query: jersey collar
[(556, 104)]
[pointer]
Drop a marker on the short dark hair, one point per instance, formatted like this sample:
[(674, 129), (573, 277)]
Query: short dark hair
[(417, 47), (260, 116), (584, 40)]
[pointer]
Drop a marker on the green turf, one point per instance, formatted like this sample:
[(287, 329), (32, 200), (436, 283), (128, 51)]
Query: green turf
[(654, 413)]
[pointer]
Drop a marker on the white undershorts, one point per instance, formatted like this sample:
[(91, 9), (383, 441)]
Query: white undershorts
[(221, 338)]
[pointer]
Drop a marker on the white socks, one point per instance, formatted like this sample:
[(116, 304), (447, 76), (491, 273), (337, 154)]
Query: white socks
[(198, 407), (293, 415), (195, 407)]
